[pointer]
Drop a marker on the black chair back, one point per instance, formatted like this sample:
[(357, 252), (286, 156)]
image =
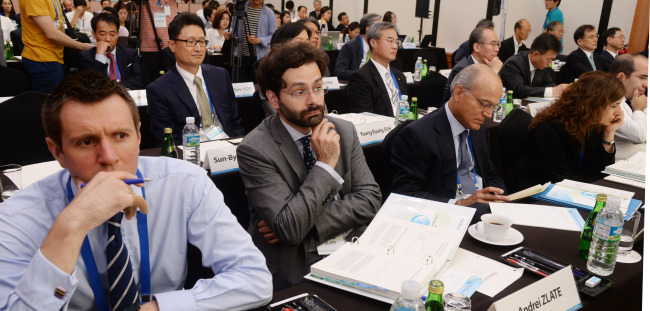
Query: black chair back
[(21, 115), (513, 132), (388, 172), (13, 82), (453, 57), (430, 90)]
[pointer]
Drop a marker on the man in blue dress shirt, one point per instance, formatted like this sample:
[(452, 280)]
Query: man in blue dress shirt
[(92, 128)]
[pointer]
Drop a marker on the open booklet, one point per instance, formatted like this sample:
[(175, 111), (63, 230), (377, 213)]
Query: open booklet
[(409, 239)]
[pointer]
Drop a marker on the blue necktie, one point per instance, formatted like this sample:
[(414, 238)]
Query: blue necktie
[(122, 287), (466, 181), (591, 60), (307, 156)]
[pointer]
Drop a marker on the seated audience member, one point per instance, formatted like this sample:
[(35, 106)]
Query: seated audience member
[(305, 176), (614, 40), (123, 9), (557, 29), (355, 51), (485, 47), (632, 70), (344, 21), (68, 6), (574, 137), (376, 87), (464, 49), (285, 17), (325, 19), (218, 34), (199, 13), (314, 34), (80, 18), (515, 44), (278, 20), (353, 30), (209, 12), (445, 155), (582, 59), (7, 10), (58, 237), (316, 12), (293, 11), (390, 17), (192, 89), (105, 4), (118, 63), (527, 73), (302, 12), (290, 32)]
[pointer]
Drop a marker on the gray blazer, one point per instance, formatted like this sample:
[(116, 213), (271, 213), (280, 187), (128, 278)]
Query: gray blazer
[(297, 205)]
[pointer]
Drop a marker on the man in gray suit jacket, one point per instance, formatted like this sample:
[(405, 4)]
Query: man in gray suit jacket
[(305, 176)]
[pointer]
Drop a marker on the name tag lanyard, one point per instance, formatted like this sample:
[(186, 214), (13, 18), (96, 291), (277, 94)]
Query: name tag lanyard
[(396, 85), (471, 152), (56, 10), (91, 266)]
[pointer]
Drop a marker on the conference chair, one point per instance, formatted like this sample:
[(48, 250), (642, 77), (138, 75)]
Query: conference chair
[(387, 169), (13, 82), (23, 138), (513, 132), (453, 56), (16, 37), (430, 90)]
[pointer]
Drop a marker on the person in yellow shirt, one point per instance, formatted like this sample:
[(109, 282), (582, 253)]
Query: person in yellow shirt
[(44, 41)]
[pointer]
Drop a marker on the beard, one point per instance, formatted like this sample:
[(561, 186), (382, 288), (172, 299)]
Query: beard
[(299, 117)]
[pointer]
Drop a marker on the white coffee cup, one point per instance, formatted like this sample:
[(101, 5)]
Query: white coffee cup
[(494, 227)]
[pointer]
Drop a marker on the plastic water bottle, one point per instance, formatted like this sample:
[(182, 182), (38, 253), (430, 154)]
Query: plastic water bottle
[(347, 38), (417, 71), (402, 110), (499, 112), (605, 239), (191, 141), (410, 299)]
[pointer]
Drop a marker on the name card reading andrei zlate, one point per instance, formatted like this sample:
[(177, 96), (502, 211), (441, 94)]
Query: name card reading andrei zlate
[(332, 83), (246, 89), (222, 159), (555, 292)]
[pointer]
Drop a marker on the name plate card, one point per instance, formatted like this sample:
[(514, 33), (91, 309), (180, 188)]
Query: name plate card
[(222, 159), (409, 45), (555, 292), (246, 89), (409, 77), (139, 96), (332, 83), (371, 128)]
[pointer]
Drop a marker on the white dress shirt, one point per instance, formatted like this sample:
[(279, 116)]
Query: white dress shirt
[(517, 44), (634, 128), (7, 27), (83, 24), (212, 35), (548, 91), (387, 83), (184, 206), (456, 130)]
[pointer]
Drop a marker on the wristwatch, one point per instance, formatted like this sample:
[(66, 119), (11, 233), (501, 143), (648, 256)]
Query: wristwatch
[(608, 143)]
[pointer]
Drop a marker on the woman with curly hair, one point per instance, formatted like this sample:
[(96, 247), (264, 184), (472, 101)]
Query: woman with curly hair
[(574, 137)]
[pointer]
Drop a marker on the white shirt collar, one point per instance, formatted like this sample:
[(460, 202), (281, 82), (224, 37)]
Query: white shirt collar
[(530, 64), (473, 59), (382, 70), (612, 53), (295, 134), (517, 44), (456, 127), (588, 53), (188, 77)]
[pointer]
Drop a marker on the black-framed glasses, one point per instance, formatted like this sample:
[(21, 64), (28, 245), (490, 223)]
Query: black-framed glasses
[(484, 105), (302, 94), (192, 43)]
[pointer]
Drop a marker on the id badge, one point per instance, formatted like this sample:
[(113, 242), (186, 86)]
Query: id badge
[(168, 10), (215, 132)]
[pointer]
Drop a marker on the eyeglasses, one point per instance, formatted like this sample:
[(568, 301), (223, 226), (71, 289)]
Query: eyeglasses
[(591, 37), (392, 42), (192, 43), (620, 37), (494, 44), (484, 105), (302, 94), (643, 78)]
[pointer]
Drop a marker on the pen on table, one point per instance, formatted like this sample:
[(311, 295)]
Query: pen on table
[(544, 260), (129, 181), (525, 265), (533, 263)]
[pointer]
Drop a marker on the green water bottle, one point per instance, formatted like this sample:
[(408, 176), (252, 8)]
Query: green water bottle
[(425, 69), (329, 44), (509, 104), (434, 300), (588, 230), (9, 51), (413, 111), (169, 148)]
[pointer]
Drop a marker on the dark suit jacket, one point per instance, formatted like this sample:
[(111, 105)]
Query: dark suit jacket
[(128, 62), (507, 49), (340, 27), (467, 61), (577, 63), (367, 92), (314, 14), (349, 59), (606, 59), (550, 154), (170, 102), (425, 161), (298, 205), (515, 75), (463, 51)]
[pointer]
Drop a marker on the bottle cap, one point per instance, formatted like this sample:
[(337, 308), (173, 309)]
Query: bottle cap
[(414, 99), (613, 201), (168, 130), (405, 97), (189, 120), (410, 289), (436, 287), (419, 57)]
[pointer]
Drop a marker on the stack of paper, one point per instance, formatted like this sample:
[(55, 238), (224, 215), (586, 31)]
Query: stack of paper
[(632, 168), (541, 216), (583, 196)]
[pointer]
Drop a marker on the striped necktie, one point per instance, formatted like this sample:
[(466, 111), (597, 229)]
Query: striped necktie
[(204, 103), (466, 181), (122, 288), (392, 91)]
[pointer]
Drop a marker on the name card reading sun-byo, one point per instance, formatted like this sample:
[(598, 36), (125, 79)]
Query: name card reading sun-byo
[(246, 89), (332, 83), (409, 45), (409, 77), (555, 292), (222, 159)]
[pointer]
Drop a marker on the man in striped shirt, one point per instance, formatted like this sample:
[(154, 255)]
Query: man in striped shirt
[(258, 27)]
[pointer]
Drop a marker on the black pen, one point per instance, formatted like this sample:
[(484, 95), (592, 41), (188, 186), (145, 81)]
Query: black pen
[(534, 263), (544, 260)]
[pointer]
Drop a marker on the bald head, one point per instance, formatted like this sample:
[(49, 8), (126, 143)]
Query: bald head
[(522, 30), (472, 102)]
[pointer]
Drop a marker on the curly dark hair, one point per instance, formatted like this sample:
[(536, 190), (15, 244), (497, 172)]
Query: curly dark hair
[(292, 54), (581, 104)]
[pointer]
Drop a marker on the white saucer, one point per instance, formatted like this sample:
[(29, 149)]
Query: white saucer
[(514, 237)]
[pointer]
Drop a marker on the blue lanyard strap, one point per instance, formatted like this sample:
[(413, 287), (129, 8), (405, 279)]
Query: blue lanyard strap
[(56, 9), (395, 82), (117, 69), (471, 152), (91, 266)]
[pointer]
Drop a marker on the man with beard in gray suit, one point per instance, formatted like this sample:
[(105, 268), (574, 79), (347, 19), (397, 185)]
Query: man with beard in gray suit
[(306, 177)]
